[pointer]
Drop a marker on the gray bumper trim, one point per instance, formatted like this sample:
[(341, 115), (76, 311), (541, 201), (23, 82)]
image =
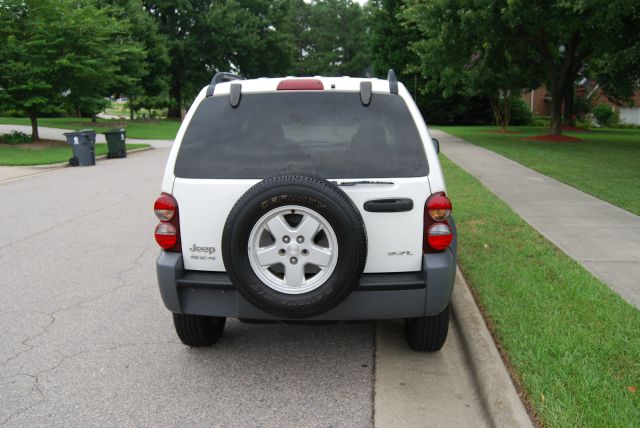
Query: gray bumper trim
[(368, 282)]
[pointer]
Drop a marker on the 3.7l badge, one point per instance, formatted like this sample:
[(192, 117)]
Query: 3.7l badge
[(400, 253)]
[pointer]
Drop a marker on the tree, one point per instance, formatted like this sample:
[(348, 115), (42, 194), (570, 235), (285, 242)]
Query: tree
[(333, 42), (462, 52), (390, 38), (55, 54), (550, 40), (296, 24), (143, 60), (260, 27), (184, 24), (205, 36)]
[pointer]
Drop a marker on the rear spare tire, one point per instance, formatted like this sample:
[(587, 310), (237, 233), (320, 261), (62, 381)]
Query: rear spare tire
[(294, 245)]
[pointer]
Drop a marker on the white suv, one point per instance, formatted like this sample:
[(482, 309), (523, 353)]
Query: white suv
[(305, 198)]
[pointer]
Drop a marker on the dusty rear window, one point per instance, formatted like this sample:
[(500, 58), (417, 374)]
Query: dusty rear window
[(330, 134)]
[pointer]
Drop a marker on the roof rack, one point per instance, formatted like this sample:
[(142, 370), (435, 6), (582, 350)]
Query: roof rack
[(220, 77), (365, 93), (393, 81)]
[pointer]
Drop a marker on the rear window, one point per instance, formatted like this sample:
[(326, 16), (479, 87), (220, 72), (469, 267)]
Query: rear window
[(330, 134)]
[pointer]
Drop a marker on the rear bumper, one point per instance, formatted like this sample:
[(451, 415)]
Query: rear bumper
[(377, 296)]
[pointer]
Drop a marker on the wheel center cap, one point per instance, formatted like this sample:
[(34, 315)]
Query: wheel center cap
[(293, 249)]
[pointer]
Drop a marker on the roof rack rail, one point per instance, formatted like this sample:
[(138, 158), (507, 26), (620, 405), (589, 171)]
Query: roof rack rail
[(365, 93), (393, 81), (220, 77)]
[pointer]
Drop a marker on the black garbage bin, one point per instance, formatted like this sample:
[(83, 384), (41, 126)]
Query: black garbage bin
[(116, 143), (83, 144)]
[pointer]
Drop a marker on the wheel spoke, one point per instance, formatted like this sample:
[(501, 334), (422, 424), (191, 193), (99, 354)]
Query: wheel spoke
[(308, 228), (294, 274), (268, 256), (279, 227), (318, 256)]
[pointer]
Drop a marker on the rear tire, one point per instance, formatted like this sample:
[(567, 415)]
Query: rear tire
[(427, 334), (198, 330)]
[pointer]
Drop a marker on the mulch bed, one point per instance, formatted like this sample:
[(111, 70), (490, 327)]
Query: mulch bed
[(555, 138)]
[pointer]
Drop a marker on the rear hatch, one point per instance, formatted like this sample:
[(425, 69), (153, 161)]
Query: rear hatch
[(373, 152)]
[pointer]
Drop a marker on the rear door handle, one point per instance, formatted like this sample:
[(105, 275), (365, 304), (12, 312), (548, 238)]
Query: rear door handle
[(388, 205)]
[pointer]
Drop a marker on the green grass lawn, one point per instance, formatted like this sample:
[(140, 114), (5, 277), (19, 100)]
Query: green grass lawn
[(574, 343), (145, 129), (27, 154), (606, 164)]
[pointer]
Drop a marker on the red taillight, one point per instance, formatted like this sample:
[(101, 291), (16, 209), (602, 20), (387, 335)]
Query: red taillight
[(167, 233), (439, 236), (437, 232), (439, 207), (165, 207), (300, 85)]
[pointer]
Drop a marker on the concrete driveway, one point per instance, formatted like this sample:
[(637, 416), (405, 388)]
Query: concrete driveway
[(86, 340)]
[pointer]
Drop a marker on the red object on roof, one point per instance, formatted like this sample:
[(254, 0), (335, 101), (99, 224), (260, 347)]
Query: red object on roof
[(300, 85)]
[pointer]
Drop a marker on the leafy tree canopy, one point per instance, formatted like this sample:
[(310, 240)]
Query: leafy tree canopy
[(56, 54), (514, 41)]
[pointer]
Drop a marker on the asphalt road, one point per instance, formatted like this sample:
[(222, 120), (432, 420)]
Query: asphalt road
[(86, 340)]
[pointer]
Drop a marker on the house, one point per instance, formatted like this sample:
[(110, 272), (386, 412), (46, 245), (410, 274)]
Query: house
[(539, 101)]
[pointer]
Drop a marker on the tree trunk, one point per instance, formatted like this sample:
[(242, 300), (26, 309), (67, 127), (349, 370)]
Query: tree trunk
[(556, 110), (559, 77), (132, 113), (569, 112), (94, 118), (501, 108), (34, 127), (175, 94)]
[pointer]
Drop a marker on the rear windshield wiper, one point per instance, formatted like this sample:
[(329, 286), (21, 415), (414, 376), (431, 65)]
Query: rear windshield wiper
[(354, 183)]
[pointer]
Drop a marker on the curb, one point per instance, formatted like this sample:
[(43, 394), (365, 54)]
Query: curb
[(66, 164), (40, 169), (49, 165), (498, 393)]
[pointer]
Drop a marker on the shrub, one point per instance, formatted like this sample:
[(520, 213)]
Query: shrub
[(586, 122), (615, 119), (15, 137), (603, 114), (541, 122), (581, 107), (520, 112)]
